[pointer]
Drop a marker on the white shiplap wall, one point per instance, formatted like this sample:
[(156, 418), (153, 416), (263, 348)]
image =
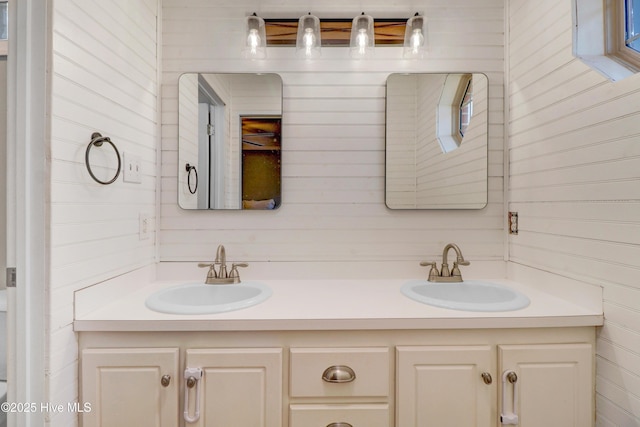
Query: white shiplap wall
[(447, 179), (333, 138), (575, 183), (402, 125), (104, 78)]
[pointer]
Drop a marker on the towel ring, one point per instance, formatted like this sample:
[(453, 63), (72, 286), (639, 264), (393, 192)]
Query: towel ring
[(97, 139), (190, 168)]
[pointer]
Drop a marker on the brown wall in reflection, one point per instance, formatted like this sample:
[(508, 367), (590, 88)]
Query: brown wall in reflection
[(261, 175)]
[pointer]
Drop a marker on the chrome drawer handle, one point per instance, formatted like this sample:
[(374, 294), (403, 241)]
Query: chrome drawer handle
[(339, 425), (338, 374)]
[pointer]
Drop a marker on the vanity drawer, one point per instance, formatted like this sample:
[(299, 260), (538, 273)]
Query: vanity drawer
[(359, 415), (321, 372)]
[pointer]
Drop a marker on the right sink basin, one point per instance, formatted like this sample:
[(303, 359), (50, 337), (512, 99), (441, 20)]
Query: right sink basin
[(469, 295)]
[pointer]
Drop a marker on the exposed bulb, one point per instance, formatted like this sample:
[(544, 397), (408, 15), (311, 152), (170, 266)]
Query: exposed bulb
[(416, 41), (362, 40), (308, 40), (253, 41)]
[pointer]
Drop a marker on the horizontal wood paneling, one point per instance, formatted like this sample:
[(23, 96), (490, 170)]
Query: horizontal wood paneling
[(575, 183), (333, 137), (104, 79)]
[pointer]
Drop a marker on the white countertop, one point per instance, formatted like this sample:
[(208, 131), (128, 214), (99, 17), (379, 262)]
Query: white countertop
[(326, 305)]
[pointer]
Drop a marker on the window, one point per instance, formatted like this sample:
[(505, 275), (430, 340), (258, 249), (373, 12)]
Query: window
[(606, 36), (623, 32), (4, 27), (4, 20), (632, 24), (454, 111), (466, 109)]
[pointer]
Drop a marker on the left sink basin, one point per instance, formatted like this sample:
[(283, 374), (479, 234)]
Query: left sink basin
[(198, 298)]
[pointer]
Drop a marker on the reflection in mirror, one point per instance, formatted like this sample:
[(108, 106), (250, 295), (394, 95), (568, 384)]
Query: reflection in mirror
[(229, 135), (436, 141)]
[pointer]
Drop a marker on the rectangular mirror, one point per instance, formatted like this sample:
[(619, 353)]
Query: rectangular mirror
[(436, 141), (229, 141)]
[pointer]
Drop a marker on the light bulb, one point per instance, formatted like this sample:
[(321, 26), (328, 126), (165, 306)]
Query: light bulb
[(417, 41), (308, 40), (253, 41), (362, 40)]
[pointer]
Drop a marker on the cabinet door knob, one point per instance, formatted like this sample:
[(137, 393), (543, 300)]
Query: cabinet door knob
[(165, 380), (338, 374), (339, 425), (486, 377), (512, 377), (191, 382)]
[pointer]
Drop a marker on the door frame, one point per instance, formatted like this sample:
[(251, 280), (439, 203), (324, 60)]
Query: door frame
[(28, 135)]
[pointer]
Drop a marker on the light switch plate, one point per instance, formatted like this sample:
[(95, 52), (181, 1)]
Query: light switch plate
[(132, 172)]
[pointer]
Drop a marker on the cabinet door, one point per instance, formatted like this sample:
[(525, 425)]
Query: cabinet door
[(443, 386), (240, 387), (125, 387), (554, 384)]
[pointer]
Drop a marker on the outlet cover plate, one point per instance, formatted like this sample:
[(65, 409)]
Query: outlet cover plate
[(513, 223), (144, 226), (132, 172)]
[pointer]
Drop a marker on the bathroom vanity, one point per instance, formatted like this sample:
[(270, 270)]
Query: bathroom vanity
[(372, 357)]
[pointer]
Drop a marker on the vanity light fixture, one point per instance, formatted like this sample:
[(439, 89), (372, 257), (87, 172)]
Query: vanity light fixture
[(309, 34), (415, 37), (309, 40), (362, 37), (255, 45)]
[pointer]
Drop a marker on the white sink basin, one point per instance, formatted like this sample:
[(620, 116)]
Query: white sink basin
[(198, 298), (470, 295)]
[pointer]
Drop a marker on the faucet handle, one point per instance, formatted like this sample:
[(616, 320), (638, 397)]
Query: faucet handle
[(433, 273), (233, 274), (211, 274)]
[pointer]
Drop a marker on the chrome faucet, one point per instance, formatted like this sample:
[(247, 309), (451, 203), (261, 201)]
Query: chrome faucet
[(221, 277), (444, 275)]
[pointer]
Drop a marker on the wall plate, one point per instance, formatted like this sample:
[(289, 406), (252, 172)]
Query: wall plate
[(131, 169), (513, 223)]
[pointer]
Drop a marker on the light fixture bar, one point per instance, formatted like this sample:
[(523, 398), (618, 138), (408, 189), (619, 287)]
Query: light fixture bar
[(335, 32)]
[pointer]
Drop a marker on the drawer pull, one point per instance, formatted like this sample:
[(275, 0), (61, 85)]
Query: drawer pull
[(338, 374), (339, 425)]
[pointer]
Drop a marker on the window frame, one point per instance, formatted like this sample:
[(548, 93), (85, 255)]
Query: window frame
[(4, 43), (616, 30), (465, 108), (448, 110)]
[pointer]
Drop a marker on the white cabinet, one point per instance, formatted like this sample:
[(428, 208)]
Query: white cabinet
[(144, 387), (554, 386), (130, 387), (381, 378), (340, 387), (239, 387), (443, 386), (462, 385)]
